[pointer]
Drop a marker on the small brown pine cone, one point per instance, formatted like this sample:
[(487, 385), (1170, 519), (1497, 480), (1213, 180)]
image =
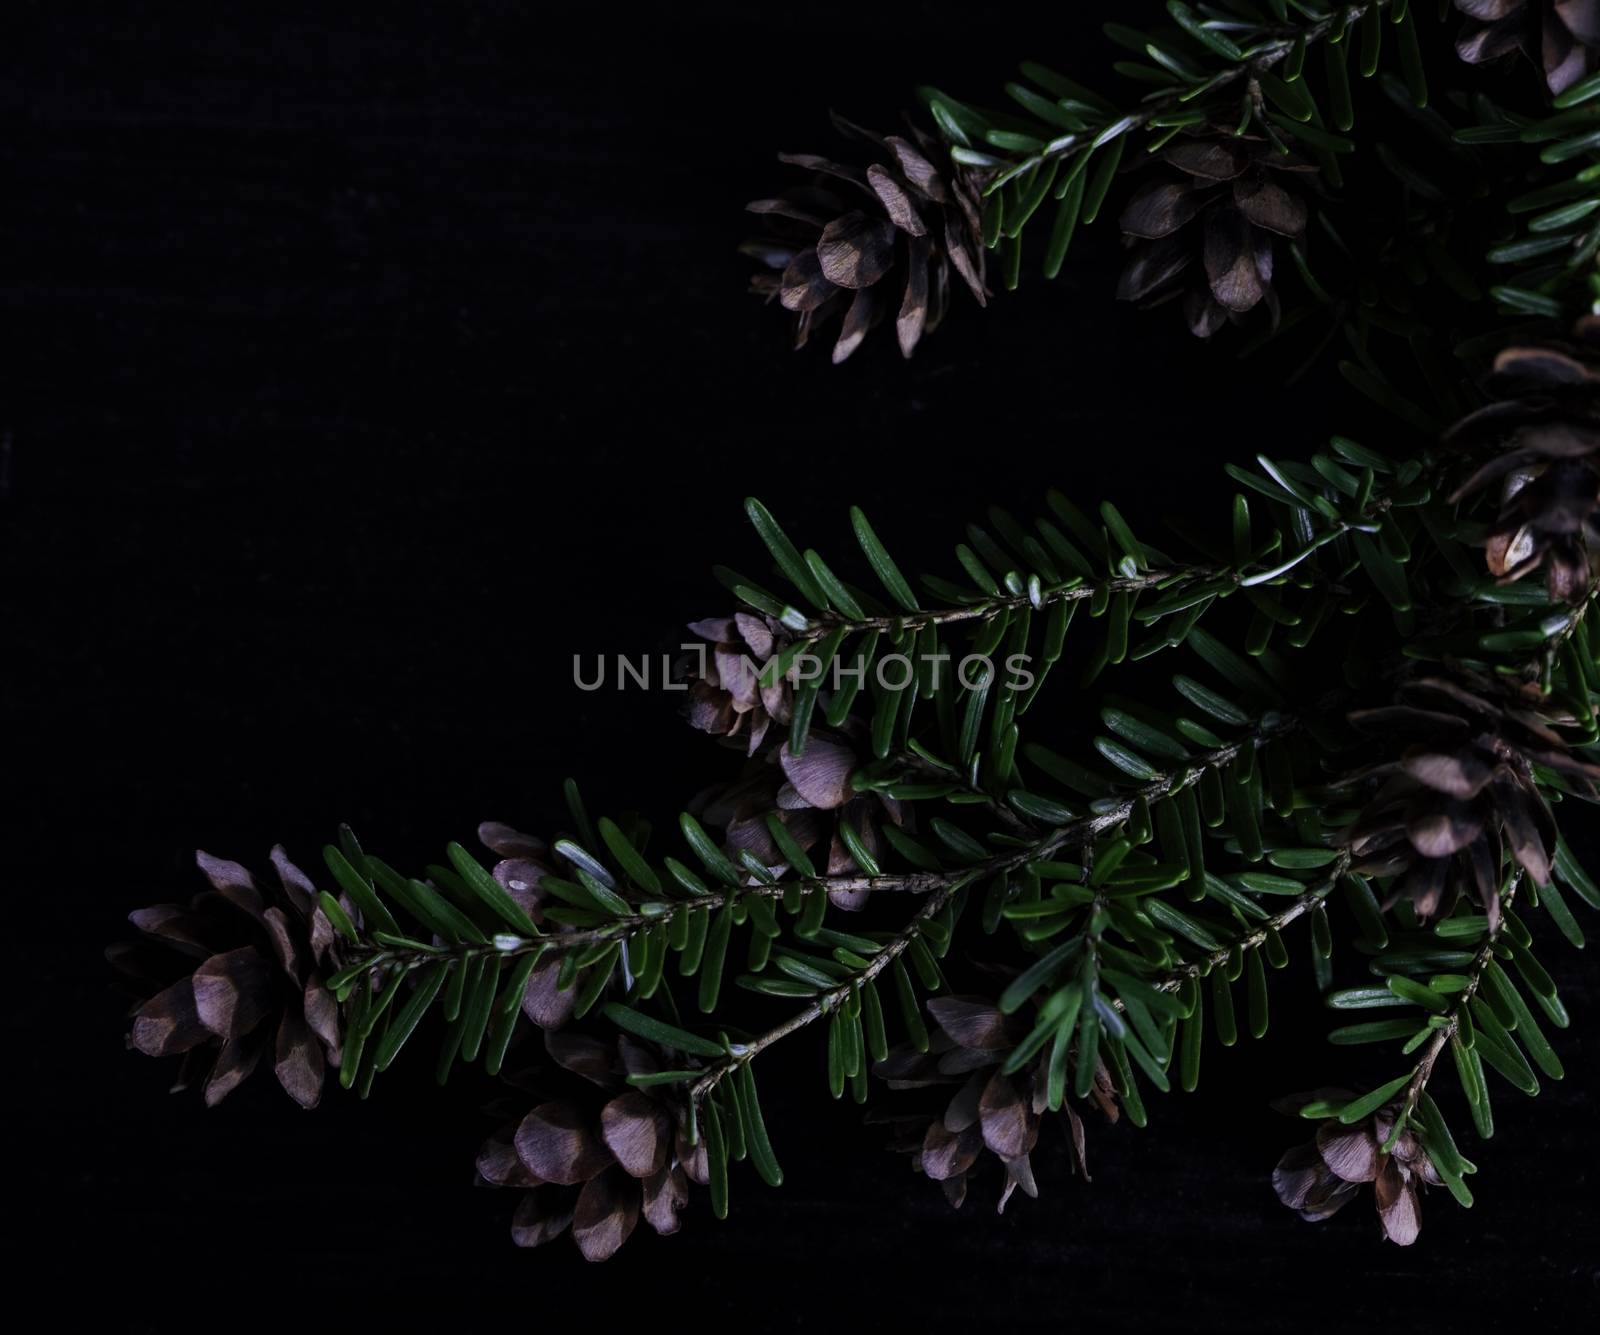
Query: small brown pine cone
[(595, 1162), (1545, 420), (1205, 227), (234, 975), (1562, 37), (524, 862), (1461, 793), (865, 242), (812, 797), (1318, 1178), (729, 693), (991, 1112)]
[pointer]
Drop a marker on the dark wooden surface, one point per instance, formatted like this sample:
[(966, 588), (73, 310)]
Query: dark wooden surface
[(364, 364)]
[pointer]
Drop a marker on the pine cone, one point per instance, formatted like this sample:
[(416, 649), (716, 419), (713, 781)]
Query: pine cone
[(1222, 202), (811, 795), (260, 974), (1548, 422), (991, 1111), (523, 865), (1461, 791), (855, 241), (1561, 36), (727, 692), (1318, 1178), (629, 1156)]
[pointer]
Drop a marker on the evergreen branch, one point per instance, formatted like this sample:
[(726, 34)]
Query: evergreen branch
[(1551, 256), (740, 1053), (1109, 817), (1077, 833), (915, 763), (624, 928), (1088, 830), (1422, 1072), (474, 963), (1278, 43), (1075, 590), (1251, 940), (1175, 577), (1485, 682)]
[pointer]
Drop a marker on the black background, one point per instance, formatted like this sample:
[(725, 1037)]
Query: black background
[(364, 364)]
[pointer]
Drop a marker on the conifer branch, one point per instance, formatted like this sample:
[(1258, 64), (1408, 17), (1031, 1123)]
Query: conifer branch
[(1078, 833), (1075, 590), (1257, 936), (1415, 763), (1451, 1026), (1173, 578), (742, 1053), (1270, 45)]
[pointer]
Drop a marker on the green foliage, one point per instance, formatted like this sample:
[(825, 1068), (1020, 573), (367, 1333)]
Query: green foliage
[(1146, 881), (1461, 998), (1128, 875), (1057, 148), (1554, 226)]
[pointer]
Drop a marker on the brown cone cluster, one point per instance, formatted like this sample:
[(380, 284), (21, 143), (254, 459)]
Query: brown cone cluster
[(1318, 1178), (524, 861), (594, 1163), (1545, 419), (869, 242), (812, 796), (727, 696), (990, 1112), (1562, 37), (1460, 794), (234, 975), (1204, 227)]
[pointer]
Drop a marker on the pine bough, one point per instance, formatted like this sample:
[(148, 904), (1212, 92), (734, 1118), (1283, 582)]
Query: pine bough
[(1354, 710)]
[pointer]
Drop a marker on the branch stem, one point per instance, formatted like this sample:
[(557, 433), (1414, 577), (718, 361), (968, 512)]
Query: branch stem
[(1070, 591), (1297, 908), (1423, 1071), (830, 1000), (1259, 61), (1079, 833)]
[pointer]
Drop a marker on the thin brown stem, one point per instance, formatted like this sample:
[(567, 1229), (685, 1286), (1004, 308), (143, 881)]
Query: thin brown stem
[(1076, 833), (830, 1000), (1069, 592), (1078, 589), (1297, 908), (509, 946), (1423, 1071), (1261, 60), (885, 957)]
